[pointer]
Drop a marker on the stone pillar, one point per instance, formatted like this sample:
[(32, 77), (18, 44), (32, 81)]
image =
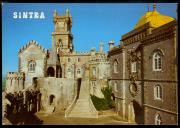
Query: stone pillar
[(131, 115)]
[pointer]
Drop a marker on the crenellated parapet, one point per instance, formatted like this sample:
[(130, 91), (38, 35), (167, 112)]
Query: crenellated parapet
[(83, 53), (32, 42), (15, 75), (15, 81)]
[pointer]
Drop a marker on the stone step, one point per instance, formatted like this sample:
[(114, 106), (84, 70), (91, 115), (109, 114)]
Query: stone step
[(82, 107)]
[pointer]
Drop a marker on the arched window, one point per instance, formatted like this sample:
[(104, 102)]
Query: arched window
[(31, 66), (158, 119), (157, 92), (157, 61), (115, 86), (115, 66), (78, 71), (133, 67), (69, 59)]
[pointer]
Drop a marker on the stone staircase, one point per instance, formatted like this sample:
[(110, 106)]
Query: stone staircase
[(83, 106)]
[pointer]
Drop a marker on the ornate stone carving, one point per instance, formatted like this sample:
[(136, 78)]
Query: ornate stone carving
[(133, 89)]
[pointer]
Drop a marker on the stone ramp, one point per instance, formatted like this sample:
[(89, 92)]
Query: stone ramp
[(83, 106)]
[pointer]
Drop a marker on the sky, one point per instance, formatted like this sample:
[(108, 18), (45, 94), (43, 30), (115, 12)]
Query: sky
[(91, 24)]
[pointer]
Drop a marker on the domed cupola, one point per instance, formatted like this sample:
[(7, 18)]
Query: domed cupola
[(155, 19)]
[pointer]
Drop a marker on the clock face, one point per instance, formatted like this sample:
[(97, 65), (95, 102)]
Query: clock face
[(61, 24)]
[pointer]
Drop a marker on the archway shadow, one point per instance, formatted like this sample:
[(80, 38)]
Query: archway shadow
[(138, 111), (24, 118)]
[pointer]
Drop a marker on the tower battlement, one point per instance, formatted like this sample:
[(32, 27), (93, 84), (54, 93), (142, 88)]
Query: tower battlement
[(15, 75)]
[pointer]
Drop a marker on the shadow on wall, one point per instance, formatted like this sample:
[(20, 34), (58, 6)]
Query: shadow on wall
[(24, 118), (138, 111), (78, 87)]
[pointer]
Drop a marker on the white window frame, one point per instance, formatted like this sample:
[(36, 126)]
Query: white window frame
[(157, 61), (157, 120), (115, 87), (158, 92), (32, 66), (133, 66), (78, 71), (115, 66)]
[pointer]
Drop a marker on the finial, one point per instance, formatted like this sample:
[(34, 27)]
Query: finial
[(154, 7), (148, 7), (55, 13), (67, 12), (101, 43)]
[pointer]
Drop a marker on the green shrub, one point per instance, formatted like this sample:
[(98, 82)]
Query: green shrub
[(103, 103)]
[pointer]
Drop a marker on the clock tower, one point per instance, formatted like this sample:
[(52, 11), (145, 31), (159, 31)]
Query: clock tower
[(62, 37)]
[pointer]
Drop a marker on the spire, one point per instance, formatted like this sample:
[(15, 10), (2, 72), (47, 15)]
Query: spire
[(67, 12), (55, 13), (154, 7)]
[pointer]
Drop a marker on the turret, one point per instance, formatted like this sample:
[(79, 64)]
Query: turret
[(93, 51), (111, 45)]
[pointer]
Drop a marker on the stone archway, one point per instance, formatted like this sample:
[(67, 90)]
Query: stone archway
[(50, 72), (51, 99)]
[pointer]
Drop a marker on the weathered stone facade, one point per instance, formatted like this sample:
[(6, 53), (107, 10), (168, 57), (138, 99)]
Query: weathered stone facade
[(139, 73), (57, 72)]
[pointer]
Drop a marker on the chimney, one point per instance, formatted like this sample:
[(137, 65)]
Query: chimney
[(111, 45)]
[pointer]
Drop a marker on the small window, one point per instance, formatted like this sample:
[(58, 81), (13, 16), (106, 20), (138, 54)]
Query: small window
[(158, 92), (115, 66), (31, 66), (78, 71), (157, 61), (133, 67), (158, 119), (79, 59), (115, 86), (69, 59)]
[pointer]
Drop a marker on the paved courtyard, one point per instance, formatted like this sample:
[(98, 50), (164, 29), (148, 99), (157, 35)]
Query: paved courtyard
[(59, 119), (107, 118)]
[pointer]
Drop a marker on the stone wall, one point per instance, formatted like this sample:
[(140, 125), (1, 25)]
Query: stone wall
[(14, 82), (168, 63), (62, 89), (166, 117), (32, 53)]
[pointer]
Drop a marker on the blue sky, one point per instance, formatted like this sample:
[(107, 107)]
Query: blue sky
[(92, 23)]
